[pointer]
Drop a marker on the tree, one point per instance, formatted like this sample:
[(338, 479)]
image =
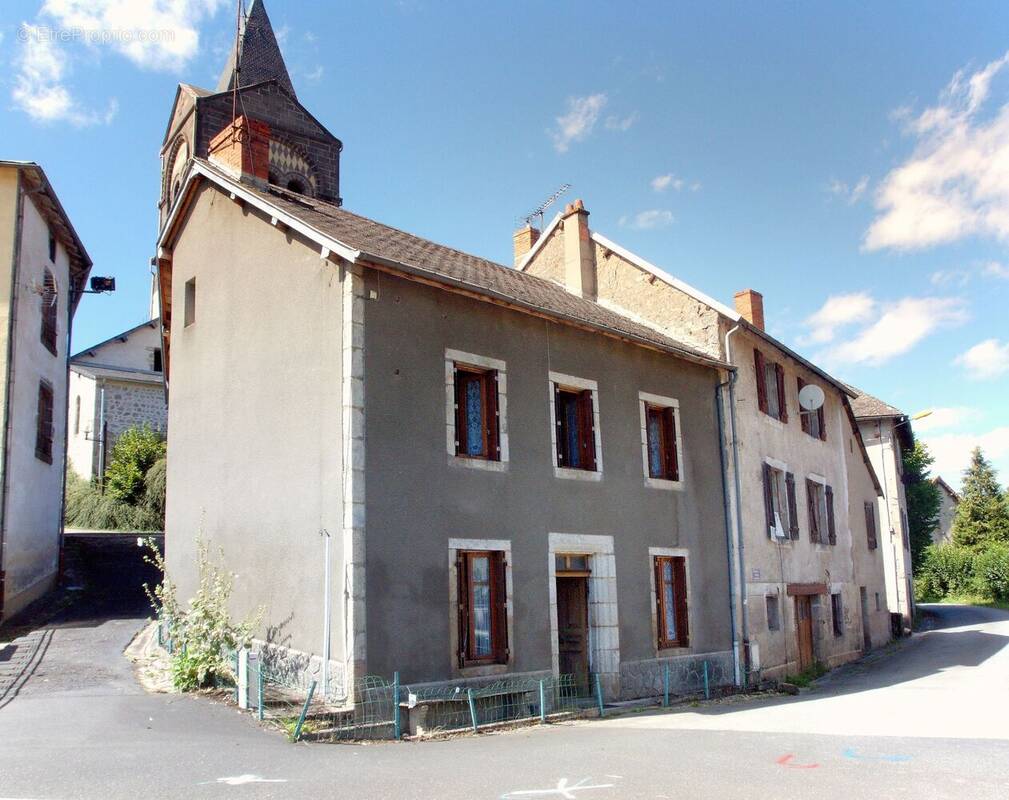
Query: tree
[(923, 500), (134, 453), (982, 517)]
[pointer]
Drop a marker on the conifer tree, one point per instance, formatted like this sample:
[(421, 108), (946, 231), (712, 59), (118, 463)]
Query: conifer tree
[(983, 514), (923, 500)]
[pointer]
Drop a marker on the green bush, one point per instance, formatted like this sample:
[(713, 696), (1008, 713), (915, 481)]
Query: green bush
[(134, 453), (87, 507), (154, 488), (946, 569), (991, 571)]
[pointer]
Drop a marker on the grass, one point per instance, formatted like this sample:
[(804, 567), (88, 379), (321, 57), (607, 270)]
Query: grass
[(967, 599), (807, 676)]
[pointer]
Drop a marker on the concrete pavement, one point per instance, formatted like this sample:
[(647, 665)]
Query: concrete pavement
[(923, 722)]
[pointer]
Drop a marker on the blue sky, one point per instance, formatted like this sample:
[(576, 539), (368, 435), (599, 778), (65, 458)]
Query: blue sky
[(850, 162)]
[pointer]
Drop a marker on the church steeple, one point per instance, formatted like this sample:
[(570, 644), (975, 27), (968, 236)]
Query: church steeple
[(259, 56)]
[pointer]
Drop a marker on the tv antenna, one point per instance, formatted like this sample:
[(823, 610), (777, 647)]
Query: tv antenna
[(542, 207)]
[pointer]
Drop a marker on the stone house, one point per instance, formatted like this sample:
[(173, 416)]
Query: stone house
[(45, 268), (114, 385), (948, 501), (887, 433), (418, 460), (806, 544)]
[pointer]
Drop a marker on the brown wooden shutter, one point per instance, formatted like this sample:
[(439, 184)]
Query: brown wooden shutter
[(671, 456), (793, 506), (758, 363), (831, 530), (803, 415), (460, 412), (814, 529), (680, 593), (44, 424), (490, 381), (768, 503), (823, 426), (779, 373), (870, 526), (587, 432), (660, 617), (558, 426), (499, 598), (462, 597)]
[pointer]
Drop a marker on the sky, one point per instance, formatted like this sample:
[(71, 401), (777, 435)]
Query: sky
[(850, 162)]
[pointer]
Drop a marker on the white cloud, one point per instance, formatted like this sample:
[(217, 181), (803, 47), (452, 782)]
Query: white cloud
[(315, 74), (899, 328), (838, 311), (850, 194), (578, 121), (952, 451), (950, 277), (955, 184), (944, 419), (994, 269), (648, 220), (987, 359), (153, 34), (622, 124), (662, 182)]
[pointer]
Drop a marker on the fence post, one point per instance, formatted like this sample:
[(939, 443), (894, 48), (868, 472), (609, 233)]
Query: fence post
[(304, 713), (707, 689), (599, 694), (543, 702), (259, 681), (395, 706), (472, 709), (665, 686)]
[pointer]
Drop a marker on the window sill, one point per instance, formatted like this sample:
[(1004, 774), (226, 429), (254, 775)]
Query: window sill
[(672, 651), (482, 670), (772, 421), (664, 483), (577, 474), (478, 463)]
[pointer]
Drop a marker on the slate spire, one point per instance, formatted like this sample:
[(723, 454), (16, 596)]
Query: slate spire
[(259, 54)]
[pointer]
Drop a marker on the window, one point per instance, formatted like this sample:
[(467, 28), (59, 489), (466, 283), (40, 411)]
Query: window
[(660, 436), (820, 500), (773, 614), (780, 505), (903, 529), (671, 601), (156, 360), (52, 247), (878, 606), (189, 311), (49, 308), (812, 422), (837, 613), (575, 422), (770, 387), (870, 525), (44, 423), (77, 415), (476, 413), (482, 607)]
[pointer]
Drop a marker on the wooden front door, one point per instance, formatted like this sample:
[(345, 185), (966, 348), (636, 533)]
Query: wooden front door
[(573, 627), (804, 628)]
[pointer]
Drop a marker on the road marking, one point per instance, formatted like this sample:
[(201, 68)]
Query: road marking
[(849, 752), (786, 761), (561, 790), (241, 780)]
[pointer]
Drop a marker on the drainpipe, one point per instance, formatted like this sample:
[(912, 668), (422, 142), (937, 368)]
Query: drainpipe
[(101, 434), (66, 423), (727, 507), (11, 328), (744, 610), (326, 614)]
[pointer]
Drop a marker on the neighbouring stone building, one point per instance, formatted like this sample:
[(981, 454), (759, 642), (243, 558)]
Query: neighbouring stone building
[(506, 478), (114, 385), (807, 545), (44, 269), (887, 433), (948, 501)]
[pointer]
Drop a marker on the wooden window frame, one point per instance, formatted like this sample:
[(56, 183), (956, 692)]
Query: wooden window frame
[(498, 586), (768, 600), (44, 423), (805, 417), (487, 379), (585, 419), (761, 365), (668, 444), (681, 612), (49, 308), (772, 491)]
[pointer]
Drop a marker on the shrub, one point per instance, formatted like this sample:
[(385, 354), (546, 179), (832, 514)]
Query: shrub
[(154, 489), (87, 507), (134, 453), (991, 571), (946, 569)]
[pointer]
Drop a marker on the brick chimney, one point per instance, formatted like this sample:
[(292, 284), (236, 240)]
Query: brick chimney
[(242, 148), (525, 239), (579, 258), (750, 305)]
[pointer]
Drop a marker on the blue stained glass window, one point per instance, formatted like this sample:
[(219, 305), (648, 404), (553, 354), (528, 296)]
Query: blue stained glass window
[(474, 418), (571, 424), (654, 445), (481, 610), (669, 600)]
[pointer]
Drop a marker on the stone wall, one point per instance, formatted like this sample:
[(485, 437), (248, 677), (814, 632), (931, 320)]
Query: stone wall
[(130, 405), (646, 678)]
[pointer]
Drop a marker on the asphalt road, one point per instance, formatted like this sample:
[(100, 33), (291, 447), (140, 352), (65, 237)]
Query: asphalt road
[(930, 720)]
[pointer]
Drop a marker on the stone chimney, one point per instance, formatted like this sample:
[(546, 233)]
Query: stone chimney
[(579, 258), (525, 239), (242, 148), (750, 305)]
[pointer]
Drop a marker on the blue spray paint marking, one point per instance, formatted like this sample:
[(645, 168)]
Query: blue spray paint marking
[(890, 759)]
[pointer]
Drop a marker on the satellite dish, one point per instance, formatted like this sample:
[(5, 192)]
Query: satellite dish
[(811, 397)]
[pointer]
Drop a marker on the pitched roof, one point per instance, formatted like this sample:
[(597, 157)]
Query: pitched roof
[(866, 406), (119, 337), (359, 239), (259, 56)]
